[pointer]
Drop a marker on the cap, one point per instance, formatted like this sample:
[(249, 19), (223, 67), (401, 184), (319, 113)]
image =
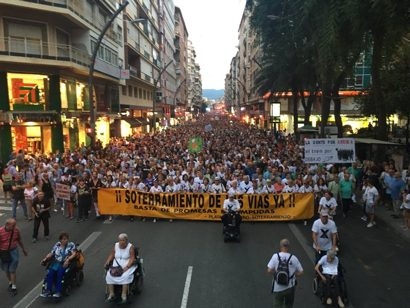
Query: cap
[(217, 178)]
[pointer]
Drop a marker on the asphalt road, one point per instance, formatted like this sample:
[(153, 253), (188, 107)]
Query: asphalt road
[(187, 262)]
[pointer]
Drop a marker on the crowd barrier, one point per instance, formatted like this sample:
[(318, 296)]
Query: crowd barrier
[(204, 206)]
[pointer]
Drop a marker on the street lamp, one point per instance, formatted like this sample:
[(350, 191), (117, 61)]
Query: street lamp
[(274, 113), (154, 94), (93, 105)]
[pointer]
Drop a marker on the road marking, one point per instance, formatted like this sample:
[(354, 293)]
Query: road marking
[(184, 301), (301, 239), (30, 297)]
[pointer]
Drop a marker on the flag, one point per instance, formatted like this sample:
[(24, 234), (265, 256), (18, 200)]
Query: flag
[(195, 144)]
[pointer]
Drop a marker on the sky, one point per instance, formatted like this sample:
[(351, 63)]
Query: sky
[(213, 30)]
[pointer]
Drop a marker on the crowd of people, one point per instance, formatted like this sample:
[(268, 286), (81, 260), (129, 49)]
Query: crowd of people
[(232, 158)]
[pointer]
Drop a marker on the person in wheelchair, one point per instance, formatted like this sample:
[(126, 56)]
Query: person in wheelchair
[(327, 269), (58, 260), (231, 208), (122, 255)]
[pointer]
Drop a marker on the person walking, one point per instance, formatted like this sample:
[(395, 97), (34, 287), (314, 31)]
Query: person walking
[(17, 190), (10, 239), (41, 210), (284, 294)]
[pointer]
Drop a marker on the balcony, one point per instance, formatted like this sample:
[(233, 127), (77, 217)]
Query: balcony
[(33, 48)]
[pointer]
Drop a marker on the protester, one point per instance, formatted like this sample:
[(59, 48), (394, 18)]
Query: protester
[(284, 295), (10, 239), (41, 210)]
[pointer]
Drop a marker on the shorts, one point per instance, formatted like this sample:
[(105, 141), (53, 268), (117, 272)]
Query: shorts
[(369, 208), (6, 188), (11, 267)]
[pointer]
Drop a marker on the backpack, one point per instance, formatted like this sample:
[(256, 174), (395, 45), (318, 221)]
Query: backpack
[(282, 276)]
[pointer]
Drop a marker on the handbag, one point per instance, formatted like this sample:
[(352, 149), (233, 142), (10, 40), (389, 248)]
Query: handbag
[(5, 255), (116, 271)]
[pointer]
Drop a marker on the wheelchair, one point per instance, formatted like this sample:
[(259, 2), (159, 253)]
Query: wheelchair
[(318, 287), (73, 276), (136, 286), (231, 226)]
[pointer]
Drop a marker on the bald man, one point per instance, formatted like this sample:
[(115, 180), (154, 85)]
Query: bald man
[(10, 239)]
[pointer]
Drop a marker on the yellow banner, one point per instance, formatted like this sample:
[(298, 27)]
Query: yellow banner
[(204, 206)]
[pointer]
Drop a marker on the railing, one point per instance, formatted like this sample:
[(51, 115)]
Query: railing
[(81, 9), (33, 48)]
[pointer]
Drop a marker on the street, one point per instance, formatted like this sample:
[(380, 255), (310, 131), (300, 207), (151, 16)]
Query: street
[(223, 274)]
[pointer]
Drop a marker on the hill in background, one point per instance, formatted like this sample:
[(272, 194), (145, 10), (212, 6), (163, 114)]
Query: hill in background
[(213, 93)]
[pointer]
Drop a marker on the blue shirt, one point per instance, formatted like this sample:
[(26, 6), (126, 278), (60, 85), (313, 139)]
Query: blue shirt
[(60, 253)]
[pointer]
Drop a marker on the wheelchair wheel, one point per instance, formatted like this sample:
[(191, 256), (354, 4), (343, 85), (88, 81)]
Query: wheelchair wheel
[(67, 290), (137, 285), (343, 292), (315, 286), (80, 278)]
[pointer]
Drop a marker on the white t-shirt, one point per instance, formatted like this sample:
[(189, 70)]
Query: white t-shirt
[(231, 204), (329, 268), (324, 233), (328, 206), (294, 266), (370, 195)]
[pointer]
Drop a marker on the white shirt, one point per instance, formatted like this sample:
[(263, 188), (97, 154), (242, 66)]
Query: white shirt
[(329, 268), (294, 266), (328, 206), (231, 205), (324, 233), (370, 195)]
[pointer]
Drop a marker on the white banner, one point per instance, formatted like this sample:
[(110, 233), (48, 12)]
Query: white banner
[(337, 150)]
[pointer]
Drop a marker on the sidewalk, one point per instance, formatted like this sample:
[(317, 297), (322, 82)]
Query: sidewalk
[(384, 217)]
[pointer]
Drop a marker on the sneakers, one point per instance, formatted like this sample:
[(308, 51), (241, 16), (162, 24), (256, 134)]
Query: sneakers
[(45, 294), (123, 301), (364, 218), (55, 210), (57, 295), (155, 220), (370, 224), (13, 291), (110, 299), (329, 301)]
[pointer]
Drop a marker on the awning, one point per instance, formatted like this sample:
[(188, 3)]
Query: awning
[(134, 122), (374, 141)]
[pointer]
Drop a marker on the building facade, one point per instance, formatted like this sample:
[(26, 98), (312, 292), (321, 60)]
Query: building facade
[(49, 88)]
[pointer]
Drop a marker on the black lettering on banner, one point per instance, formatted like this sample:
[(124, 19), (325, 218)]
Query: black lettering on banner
[(258, 201), (118, 196), (279, 201), (292, 200)]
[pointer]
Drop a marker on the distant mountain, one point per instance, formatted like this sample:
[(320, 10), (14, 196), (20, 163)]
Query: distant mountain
[(213, 93)]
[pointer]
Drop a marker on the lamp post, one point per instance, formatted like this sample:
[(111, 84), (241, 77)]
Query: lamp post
[(93, 106), (154, 95)]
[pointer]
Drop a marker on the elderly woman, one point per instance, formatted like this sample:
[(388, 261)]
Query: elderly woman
[(329, 274), (60, 257), (122, 254)]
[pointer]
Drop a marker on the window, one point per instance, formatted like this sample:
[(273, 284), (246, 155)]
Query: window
[(129, 90), (140, 93), (145, 94), (135, 92), (124, 90)]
